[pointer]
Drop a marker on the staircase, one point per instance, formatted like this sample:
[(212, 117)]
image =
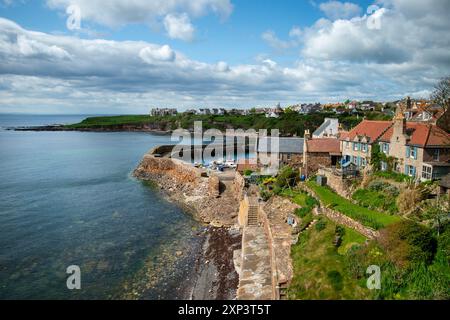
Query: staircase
[(252, 219)]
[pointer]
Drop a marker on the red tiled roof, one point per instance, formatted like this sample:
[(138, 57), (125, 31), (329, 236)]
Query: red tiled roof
[(422, 134), (327, 145), (371, 129)]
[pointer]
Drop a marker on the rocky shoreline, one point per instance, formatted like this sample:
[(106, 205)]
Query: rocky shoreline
[(184, 185), (119, 128)]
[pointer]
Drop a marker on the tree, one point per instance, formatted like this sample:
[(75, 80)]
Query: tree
[(441, 96)]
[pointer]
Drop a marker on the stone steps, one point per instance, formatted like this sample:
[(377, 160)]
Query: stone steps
[(252, 219)]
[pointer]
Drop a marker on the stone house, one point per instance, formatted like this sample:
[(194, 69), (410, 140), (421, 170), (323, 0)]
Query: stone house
[(319, 152), (356, 145), (290, 150), (419, 150)]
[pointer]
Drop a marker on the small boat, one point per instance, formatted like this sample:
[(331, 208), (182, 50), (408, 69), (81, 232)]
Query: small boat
[(230, 163)]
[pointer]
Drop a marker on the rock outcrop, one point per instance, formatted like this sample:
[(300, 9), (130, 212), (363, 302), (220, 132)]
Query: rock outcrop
[(207, 198)]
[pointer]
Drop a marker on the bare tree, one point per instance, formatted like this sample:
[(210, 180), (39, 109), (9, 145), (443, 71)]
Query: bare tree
[(441, 96)]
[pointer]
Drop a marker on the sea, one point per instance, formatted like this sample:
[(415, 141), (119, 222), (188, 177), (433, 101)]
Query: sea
[(69, 200)]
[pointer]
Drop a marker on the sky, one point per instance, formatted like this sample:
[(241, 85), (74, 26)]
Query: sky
[(125, 57)]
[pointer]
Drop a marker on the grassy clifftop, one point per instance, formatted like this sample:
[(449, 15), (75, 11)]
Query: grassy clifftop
[(289, 123)]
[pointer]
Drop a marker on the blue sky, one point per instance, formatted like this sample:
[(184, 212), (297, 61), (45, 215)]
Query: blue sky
[(232, 53)]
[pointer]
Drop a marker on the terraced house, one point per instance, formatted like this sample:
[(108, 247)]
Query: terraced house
[(419, 150)]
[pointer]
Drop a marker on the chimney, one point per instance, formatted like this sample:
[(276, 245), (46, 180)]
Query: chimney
[(307, 134)]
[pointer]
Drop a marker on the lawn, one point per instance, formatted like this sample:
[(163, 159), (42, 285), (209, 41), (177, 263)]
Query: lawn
[(296, 196), (350, 238), (367, 217), (319, 269)]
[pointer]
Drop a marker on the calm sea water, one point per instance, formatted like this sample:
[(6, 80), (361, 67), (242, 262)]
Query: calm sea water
[(68, 198)]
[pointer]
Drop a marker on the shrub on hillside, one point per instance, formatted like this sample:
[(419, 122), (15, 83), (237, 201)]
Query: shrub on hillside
[(408, 243), (288, 177), (321, 225), (336, 280)]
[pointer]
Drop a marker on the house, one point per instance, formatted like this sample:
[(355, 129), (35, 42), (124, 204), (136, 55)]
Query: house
[(309, 108), (356, 145), (329, 128), (204, 111), (419, 150), (191, 111), (218, 111), (352, 105), (319, 152), (155, 112), (274, 112), (290, 150)]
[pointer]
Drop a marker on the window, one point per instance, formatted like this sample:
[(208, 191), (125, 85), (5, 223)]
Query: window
[(411, 152), (414, 152), (427, 172), (410, 171), (355, 146), (385, 148), (383, 166), (289, 156), (436, 154), (364, 147)]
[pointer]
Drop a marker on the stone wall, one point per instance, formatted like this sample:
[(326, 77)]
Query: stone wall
[(314, 160), (273, 259), (343, 187), (341, 218), (214, 186), (349, 222), (239, 186), (243, 211)]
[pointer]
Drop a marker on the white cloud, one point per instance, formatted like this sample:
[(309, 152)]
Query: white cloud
[(222, 66), (175, 14), (340, 10), (339, 59), (152, 54), (179, 27)]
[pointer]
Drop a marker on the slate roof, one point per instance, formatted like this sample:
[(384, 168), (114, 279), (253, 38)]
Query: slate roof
[(286, 145)]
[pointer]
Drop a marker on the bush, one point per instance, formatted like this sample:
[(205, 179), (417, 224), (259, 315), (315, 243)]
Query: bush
[(372, 199), (336, 280), (321, 225), (303, 212), (339, 230), (408, 243), (248, 172), (265, 195), (288, 177)]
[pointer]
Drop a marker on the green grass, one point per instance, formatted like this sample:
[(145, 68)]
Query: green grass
[(319, 270), (377, 200), (296, 196), (398, 177), (350, 238), (113, 121), (288, 123), (367, 217)]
